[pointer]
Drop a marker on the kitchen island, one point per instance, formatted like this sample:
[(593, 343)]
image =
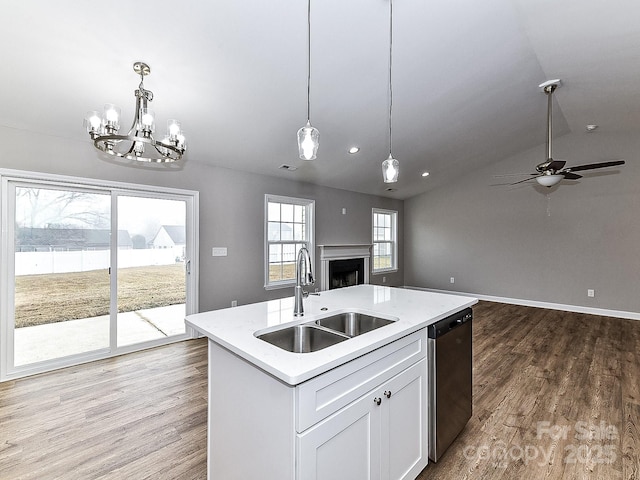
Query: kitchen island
[(356, 409)]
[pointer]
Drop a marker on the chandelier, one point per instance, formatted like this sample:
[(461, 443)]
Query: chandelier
[(138, 144)]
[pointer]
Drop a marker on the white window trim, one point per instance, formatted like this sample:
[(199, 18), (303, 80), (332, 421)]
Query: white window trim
[(311, 205), (394, 240)]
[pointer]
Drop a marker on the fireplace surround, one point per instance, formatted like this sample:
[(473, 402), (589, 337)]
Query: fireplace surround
[(349, 264)]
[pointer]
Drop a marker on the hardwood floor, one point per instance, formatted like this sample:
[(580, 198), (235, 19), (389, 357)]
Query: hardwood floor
[(537, 374), (137, 416), (556, 395)]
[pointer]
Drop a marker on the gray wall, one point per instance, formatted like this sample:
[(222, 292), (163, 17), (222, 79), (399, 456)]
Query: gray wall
[(530, 242), (231, 210)]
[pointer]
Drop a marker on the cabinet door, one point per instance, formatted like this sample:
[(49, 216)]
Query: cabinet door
[(404, 424), (345, 446)]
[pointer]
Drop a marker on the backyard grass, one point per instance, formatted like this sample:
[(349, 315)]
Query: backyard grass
[(51, 298), (287, 272)]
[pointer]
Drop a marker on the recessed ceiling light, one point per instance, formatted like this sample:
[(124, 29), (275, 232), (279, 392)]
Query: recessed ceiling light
[(353, 150), (425, 174), (591, 127)]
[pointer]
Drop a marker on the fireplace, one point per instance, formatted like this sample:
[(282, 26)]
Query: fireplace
[(344, 265), (345, 273)]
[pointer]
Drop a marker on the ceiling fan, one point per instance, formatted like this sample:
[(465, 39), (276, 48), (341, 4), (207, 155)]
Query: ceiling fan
[(551, 172)]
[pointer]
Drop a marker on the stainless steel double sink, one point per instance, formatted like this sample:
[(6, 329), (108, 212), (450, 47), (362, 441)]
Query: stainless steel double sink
[(323, 332)]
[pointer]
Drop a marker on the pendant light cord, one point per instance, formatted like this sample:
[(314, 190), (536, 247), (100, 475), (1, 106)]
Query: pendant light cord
[(309, 61), (390, 84)]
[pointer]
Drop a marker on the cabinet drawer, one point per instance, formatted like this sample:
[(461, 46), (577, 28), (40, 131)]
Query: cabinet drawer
[(327, 393)]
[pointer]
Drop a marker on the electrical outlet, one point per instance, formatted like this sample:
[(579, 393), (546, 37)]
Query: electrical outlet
[(234, 303), (384, 279), (453, 280), (591, 293)]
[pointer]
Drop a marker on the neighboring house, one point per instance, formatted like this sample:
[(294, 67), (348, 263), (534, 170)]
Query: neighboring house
[(68, 239), (171, 236)]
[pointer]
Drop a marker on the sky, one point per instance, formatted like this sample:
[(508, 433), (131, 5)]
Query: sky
[(42, 208)]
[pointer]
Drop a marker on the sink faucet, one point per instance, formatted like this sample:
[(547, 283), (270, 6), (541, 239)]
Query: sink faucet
[(304, 277)]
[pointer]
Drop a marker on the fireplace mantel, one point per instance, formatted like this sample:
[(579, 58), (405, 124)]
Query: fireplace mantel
[(329, 253)]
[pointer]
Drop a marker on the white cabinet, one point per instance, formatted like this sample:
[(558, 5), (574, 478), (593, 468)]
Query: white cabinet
[(327, 428), (380, 436), (344, 446)]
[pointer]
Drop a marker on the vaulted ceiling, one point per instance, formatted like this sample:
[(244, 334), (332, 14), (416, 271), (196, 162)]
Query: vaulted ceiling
[(465, 77)]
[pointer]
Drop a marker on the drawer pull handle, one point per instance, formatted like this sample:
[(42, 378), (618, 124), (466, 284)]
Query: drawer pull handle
[(387, 393), (377, 400)]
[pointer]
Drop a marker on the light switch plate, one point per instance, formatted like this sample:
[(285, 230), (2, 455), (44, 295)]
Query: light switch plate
[(219, 251)]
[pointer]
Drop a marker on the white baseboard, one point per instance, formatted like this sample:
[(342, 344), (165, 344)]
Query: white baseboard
[(533, 303)]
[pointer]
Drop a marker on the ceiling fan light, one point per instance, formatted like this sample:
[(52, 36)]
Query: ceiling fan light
[(549, 180)]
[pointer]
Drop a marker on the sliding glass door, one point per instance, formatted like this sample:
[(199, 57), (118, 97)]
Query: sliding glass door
[(61, 294), (89, 271), (151, 268)]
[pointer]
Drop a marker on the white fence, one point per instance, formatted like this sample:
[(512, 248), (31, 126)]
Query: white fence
[(35, 263)]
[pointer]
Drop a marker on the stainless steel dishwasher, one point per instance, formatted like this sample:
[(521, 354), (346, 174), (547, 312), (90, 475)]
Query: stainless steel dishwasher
[(449, 351)]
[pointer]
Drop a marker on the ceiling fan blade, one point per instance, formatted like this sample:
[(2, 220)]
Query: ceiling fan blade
[(592, 166), (525, 180), (571, 176), (555, 165), (514, 175)]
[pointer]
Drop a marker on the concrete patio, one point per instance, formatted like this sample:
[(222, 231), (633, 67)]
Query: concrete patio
[(61, 339)]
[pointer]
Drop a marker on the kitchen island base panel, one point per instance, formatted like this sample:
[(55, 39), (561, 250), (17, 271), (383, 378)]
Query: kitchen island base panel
[(378, 433), (250, 421)]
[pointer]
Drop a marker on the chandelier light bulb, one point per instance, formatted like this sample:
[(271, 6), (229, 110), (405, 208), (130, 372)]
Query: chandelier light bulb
[(138, 148), (92, 122), (173, 129), (147, 120), (111, 116)]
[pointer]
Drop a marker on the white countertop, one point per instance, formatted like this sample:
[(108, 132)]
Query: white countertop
[(234, 328)]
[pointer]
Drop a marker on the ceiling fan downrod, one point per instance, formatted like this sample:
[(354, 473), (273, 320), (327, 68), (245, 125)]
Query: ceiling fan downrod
[(548, 88)]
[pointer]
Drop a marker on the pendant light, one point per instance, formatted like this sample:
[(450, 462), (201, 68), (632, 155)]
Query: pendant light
[(308, 136), (391, 166)]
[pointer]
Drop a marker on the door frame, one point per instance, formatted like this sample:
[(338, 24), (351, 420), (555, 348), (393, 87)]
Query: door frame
[(191, 197)]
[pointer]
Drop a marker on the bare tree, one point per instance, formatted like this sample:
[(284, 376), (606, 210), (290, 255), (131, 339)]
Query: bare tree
[(39, 207)]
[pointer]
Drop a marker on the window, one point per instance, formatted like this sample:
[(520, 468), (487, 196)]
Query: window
[(385, 234), (288, 226)]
